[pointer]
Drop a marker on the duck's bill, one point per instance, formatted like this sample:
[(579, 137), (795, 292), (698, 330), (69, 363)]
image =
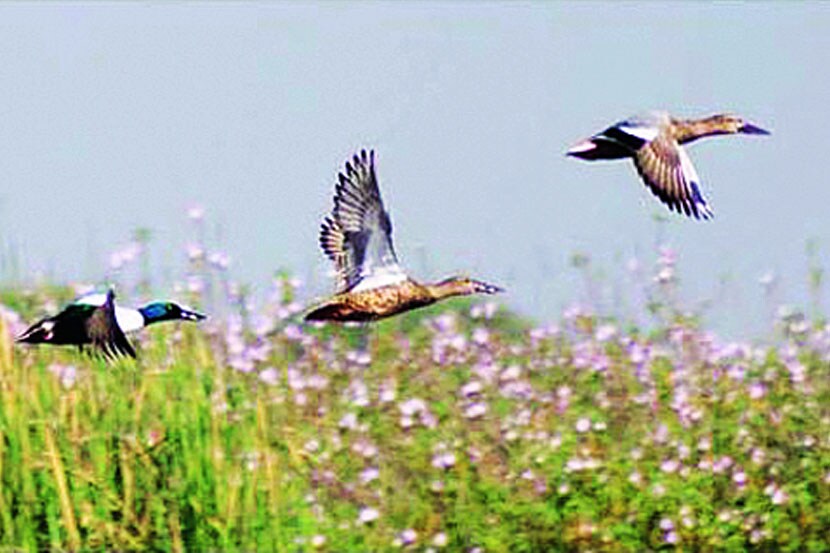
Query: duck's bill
[(192, 315), (485, 288), (749, 128), (582, 149)]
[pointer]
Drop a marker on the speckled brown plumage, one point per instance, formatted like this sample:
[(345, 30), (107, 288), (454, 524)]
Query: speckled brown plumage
[(370, 305), (357, 238), (654, 142)]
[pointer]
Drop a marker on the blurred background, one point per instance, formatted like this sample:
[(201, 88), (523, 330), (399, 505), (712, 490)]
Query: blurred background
[(163, 129)]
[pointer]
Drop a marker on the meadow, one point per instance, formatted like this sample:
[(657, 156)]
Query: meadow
[(462, 427)]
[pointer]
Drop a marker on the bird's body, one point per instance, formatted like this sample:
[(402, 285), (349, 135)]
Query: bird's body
[(132, 320), (81, 324), (95, 320), (654, 141), (374, 303), (357, 237)]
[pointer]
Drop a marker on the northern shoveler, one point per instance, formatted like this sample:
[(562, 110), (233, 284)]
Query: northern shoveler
[(357, 237), (95, 319), (131, 320), (654, 142)]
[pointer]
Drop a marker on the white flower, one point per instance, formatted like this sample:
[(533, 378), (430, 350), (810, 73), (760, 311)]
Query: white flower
[(369, 474), (349, 421), (367, 514), (475, 410), (195, 252), (412, 407), (196, 213), (779, 497), (408, 536), (444, 460), (269, 376), (605, 332)]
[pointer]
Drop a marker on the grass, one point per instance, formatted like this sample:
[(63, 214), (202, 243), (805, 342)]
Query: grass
[(457, 432), (459, 427)]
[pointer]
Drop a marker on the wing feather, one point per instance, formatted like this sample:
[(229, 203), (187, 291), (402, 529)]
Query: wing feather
[(104, 332), (357, 236), (666, 169)]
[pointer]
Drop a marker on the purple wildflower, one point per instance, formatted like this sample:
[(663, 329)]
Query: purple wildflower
[(475, 410), (269, 376), (367, 515), (583, 425)]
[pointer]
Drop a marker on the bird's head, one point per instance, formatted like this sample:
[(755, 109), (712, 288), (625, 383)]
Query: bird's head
[(168, 311), (735, 124)]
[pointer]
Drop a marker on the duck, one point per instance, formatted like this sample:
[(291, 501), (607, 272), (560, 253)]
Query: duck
[(95, 319), (357, 238), (655, 142), (132, 319)]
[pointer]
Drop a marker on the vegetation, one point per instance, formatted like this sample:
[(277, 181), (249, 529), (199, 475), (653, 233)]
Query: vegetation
[(456, 428)]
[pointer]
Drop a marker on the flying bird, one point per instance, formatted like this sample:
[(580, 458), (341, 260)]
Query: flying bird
[(357, 238), (95, 319), (655, 142)]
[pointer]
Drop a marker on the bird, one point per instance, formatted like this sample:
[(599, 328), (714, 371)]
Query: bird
[(95, 319), (654, 141), (357, 238)]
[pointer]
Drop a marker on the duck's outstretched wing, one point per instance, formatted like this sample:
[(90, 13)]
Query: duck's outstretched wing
[(104, 332), (357, 236), (67, 327), (666, 169)]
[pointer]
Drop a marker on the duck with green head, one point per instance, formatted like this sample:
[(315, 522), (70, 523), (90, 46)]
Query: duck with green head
[(95, 319)]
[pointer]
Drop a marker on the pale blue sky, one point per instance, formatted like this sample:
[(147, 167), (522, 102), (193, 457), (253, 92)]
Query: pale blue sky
[(116, 116)]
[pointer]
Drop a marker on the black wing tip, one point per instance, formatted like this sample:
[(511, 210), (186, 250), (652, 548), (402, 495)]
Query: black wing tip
[(696, 208), (27, 336), (363, 158), (367, 158), (692, 210), (354, 164)]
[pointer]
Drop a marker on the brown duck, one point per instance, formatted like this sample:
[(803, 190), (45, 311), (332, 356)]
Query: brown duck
[(357, 237), (654, 142)]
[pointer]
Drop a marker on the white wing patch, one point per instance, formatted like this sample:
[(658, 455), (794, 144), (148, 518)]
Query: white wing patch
[(129, 320), (380, 277), (92, 299), (686, 166), (642, 132), (690, 175)]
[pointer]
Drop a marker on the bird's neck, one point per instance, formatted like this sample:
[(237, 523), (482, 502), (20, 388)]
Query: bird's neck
[(688, 130), (448, 288)]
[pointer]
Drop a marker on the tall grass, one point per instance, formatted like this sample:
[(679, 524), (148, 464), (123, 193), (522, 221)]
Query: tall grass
[(456, 428), (453, 431)]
